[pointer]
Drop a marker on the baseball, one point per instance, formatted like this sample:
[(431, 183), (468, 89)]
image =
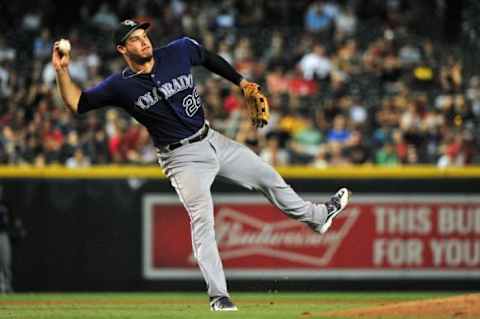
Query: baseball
[(64, 46)]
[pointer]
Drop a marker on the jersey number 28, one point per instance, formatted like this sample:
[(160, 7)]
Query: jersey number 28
[(192, 103)]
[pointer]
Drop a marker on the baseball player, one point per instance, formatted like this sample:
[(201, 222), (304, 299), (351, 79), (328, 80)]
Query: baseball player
[(157, 89)]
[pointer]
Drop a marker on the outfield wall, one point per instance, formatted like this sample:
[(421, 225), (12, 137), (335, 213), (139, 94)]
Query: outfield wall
[(124, 229)]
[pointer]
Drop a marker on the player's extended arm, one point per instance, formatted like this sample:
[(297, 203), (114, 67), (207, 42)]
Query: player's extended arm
[(216, 64), (256, 102), (69, 91)]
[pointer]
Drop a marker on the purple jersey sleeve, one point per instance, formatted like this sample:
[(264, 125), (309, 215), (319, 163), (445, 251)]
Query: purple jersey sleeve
[(98, 96), (193, 49)]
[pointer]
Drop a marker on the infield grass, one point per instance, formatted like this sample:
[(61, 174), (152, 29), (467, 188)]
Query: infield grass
[(193, 305)]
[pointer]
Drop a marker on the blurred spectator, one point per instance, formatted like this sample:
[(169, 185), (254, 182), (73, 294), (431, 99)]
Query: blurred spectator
[(248, 136), (97, 148), (7, 53), (275, 56), (42, 46), (299, 86), (225, 52), (345, 23), (401, 147), (306, 141), (451, 76), (316, 64), (337, 157), (245, 62), (6, 82), (321, 160), (355, 149), (412, 155), (347, 59), (276, 81), (409, 55), (68, 148), (453, 152), (7, 56), (386, 156), (319, 17), (273, 153), (105, 19), (77, 160), (116, 148), (358, 114), (339, 133), (11, 231), (226, 18), (234, 100), (473, 94)]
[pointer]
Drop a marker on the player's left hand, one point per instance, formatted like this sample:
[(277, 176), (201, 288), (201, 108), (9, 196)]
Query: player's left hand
[(257, 104)]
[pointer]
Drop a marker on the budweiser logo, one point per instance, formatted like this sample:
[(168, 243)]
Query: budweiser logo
[(234, 228), (240, 235)]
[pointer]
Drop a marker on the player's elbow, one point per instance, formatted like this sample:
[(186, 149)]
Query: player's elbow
[(72, 101), (71, 106), (74, 110)]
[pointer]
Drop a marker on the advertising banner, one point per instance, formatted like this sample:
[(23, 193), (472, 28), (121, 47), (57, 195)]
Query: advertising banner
[(377, 237)]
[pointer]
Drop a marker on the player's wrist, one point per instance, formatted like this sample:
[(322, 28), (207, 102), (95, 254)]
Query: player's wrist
[(61, 70), (243, 83)]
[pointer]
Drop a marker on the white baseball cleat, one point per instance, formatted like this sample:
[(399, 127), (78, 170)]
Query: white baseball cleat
[(222, 304), (335, 205)]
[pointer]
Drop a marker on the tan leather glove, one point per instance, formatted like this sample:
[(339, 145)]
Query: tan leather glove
[(257, 105)]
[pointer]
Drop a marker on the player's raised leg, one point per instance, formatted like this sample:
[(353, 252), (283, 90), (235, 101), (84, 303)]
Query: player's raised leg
[(242, 166)]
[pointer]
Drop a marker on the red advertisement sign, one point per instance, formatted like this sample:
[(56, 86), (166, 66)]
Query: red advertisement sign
[(376, 237)]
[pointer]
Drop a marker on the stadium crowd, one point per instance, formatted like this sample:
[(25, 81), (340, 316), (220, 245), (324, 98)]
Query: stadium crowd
[(345, 86)]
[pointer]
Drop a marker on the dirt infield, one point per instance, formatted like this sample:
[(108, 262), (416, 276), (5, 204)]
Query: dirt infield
[(462, 307)]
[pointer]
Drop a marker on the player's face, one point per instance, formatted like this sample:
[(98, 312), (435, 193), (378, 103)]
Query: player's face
[(138, 46)]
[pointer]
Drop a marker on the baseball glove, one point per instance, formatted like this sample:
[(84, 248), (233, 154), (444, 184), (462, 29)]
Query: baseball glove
[(257, 105)]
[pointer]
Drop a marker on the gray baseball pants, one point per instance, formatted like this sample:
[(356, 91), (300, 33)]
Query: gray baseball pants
[(191, 170)]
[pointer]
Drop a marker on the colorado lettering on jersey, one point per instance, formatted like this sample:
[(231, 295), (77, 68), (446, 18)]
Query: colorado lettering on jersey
[(148, 99), (174, 86), (168, 89)]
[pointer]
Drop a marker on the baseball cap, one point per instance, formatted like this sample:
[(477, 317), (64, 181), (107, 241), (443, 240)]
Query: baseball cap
[(126, 28)]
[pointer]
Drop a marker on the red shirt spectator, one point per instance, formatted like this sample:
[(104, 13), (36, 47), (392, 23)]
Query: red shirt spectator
[(297, 85), (233, 101), (277, 82)]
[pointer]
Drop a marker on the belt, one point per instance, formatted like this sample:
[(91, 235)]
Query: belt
[(196, 138)]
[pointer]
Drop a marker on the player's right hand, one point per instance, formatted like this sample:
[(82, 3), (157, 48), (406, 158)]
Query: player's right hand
[(60, 60)]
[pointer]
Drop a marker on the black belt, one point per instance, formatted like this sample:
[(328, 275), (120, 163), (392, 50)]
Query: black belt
[(199, 137)]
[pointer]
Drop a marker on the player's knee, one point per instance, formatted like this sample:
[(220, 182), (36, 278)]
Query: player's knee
[(196, 196), (202, 216), (203, 227), (199, 205), (270, 179)]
